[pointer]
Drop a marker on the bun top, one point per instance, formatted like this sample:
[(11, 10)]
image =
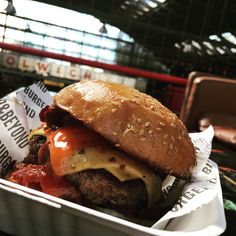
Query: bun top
[(134, 122)]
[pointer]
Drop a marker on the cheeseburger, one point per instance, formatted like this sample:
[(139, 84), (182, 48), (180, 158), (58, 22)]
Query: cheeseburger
[(107, 145)]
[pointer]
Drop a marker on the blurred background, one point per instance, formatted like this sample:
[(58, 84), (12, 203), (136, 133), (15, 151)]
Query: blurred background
[(168, 37)]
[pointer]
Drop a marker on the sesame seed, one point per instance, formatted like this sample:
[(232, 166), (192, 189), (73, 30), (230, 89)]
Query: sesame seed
[(173, 139), (122, 100), (141, 132), (114, 133), (142, 139), (152, 108), (162, 124), (126, 131), (165, 135), (162, 112), (129, 125), (73, 166), (115, 103), (158, 129), (113, 110), (139, 120), (90, 120), (164, 143), (117, 145), (171, 146), (172, 125), (133, 129), (147, 124), (179, 137), (150, 131)]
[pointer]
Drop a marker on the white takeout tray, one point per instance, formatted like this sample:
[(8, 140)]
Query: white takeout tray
[(25, 211)]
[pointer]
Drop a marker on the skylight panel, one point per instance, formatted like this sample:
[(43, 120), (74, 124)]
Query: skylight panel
[(214, 37), (127, 2), (220, 50), (123, 7), (229, 37), (144, 8), (150, 3), (140, 13), (208, 45), (233, 50), (135, 16), (177, 45), (209, 52), (196, 45)]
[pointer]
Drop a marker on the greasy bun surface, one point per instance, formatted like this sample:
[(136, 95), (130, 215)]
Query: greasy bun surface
[(134, 122)]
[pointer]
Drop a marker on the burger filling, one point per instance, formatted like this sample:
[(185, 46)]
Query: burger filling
[(75, 157)]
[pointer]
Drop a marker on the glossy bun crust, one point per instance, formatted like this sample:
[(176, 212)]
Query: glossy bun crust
[(132, 121)]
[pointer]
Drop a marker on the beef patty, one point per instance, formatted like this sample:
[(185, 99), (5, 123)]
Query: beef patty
[(102, 188)]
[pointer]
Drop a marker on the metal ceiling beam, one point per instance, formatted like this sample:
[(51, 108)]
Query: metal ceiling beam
[(118, 21), (138, 29)]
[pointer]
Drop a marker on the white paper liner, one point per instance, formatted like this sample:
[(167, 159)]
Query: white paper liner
[(14, 132), (25, 106), (35, 98)]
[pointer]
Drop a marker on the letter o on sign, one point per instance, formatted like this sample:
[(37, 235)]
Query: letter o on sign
[(11, 61)]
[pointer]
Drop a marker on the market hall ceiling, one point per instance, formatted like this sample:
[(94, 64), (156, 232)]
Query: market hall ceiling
[(204, 28)]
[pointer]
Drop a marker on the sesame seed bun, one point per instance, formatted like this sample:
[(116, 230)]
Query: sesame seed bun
[(132, 121)]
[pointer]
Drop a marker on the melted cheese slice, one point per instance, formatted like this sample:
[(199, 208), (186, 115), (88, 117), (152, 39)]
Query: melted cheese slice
[(76, 149), (40, 132)]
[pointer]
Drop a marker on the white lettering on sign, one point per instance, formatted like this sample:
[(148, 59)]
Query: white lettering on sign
[(26, 64), (42, 67), (10, 61), (74, 72), (57, 70)]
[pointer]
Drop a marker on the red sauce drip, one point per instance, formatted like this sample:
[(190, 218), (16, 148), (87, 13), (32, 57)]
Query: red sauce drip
[(42, 178)]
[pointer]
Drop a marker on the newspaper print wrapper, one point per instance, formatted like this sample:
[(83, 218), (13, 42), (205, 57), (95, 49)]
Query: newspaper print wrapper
[(202, 188), (25, 106), (19, 114), (34, 97), (14, 134)]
